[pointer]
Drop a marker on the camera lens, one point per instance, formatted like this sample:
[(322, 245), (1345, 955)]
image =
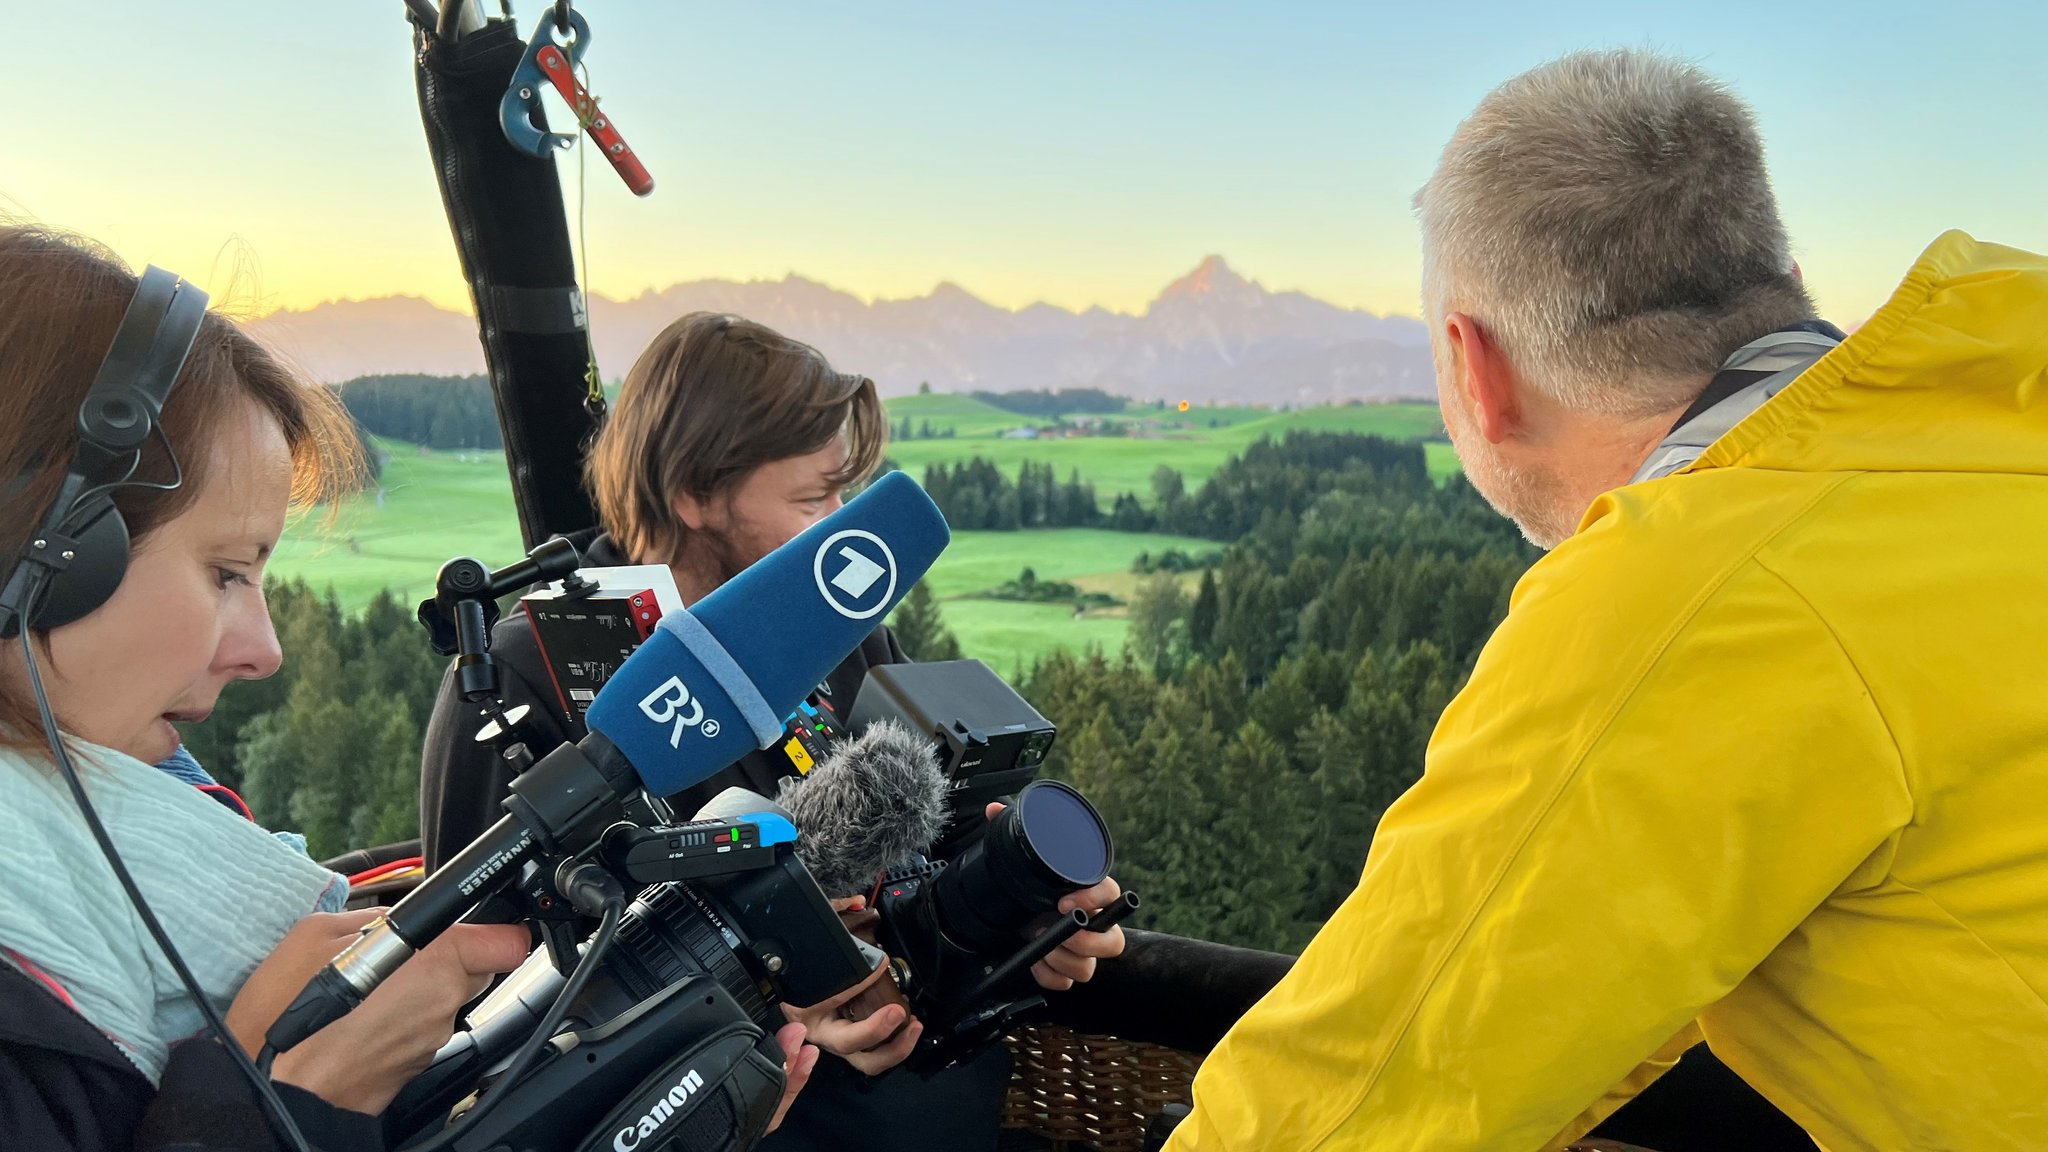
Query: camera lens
[(1035, 750), (669, 933), (1063, 831), (1049, 843)]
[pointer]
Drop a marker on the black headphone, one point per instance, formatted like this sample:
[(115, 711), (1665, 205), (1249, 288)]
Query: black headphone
[(78, 553)]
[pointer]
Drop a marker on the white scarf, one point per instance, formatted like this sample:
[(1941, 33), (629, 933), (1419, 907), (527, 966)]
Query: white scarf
[(224, 890), (1783, 354)]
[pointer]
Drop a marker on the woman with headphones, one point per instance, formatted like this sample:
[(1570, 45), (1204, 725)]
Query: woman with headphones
[(134, 542), (101, 1046)]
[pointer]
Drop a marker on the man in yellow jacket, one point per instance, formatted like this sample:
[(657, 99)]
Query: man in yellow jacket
[(1761, 749)]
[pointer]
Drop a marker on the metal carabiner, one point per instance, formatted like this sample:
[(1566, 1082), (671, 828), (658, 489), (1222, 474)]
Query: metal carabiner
[(519, 113)]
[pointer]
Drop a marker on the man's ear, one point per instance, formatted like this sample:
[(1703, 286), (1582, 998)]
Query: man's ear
[(690, 510), (1484, 378)]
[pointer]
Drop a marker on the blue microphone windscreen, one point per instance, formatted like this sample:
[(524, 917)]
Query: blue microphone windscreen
[(714, 683), (791, 618)]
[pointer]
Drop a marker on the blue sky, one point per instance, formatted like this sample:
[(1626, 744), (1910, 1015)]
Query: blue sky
[(1077, 153)]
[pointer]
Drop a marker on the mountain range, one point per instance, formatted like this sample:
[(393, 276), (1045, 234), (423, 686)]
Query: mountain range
[(1210, 335)]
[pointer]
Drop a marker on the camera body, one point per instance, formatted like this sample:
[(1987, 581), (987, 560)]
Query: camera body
[(964, 922), (963, 934), (670, 1045), (686, 1070), (990, 742)]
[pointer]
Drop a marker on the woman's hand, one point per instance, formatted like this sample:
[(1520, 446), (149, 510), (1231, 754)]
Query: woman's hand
[(360, 1061), (309, 946), (1073, 962)]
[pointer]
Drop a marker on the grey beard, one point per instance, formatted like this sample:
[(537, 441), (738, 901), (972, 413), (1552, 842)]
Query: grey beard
[(1525, 498)]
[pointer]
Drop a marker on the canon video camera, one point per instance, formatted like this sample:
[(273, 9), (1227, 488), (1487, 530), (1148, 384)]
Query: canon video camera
[(670, 1046)]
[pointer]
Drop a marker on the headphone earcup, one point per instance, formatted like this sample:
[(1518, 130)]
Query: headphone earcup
[(93, 574)]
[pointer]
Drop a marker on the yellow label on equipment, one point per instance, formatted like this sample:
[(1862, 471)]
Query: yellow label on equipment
[(798, 757)]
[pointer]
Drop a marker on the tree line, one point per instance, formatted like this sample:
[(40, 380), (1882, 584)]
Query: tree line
[(1280, 477), (458, 412), (904, 430), (330, 745), (1270, 704), (1246, 742), (442, 412), (1284, 477), (1052, 404), (975, 496)]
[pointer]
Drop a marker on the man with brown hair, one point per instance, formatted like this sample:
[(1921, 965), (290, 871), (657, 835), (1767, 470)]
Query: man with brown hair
[(727, 440)]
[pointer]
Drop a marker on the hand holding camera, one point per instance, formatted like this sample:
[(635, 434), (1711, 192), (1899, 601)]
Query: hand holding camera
[(362, 1061)]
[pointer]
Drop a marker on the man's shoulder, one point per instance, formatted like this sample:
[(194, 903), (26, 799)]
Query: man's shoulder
[(598, 549), (842, 686), (1657, 621), (512, 638), (523, 676), (1657, 569), (1659, 546)]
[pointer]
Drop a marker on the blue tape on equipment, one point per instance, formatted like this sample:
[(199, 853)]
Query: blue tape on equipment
[(700, 643), (775, 829)]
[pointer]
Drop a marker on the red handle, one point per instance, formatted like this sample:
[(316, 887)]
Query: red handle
[(595, 121)]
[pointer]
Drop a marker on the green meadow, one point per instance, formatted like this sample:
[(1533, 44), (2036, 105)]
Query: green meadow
[(435, 505), (1007, 635), (1195, 442)]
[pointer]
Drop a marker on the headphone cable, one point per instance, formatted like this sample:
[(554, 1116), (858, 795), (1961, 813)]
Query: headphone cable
[(281, 1118)]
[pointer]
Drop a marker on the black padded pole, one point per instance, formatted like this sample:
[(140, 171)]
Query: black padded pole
[(512, 236)]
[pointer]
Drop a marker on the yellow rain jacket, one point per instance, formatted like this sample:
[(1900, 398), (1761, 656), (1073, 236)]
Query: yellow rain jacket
[(1761, 753)]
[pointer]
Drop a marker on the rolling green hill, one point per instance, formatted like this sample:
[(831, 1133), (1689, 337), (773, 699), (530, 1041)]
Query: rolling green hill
[(433, 506), (437, 505), (1008, 635), (965, 415)]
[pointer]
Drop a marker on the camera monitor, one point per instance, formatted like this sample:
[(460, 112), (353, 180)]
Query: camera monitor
[(989, 740)]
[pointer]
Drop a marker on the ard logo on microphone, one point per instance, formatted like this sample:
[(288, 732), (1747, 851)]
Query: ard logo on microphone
[(671, 703), (856, 573)]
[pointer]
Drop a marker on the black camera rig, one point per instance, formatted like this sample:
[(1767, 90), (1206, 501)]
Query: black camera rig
[(669, 1043), (661, 1030)]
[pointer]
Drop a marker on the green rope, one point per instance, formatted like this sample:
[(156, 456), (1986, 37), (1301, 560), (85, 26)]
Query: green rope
[(593, 383)]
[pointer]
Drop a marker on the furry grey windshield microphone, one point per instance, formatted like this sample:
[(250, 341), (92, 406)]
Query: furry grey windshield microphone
[(867, 807)]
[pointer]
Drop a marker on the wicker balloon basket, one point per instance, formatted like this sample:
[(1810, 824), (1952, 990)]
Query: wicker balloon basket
[(1088, 1093), (1081, 1091)]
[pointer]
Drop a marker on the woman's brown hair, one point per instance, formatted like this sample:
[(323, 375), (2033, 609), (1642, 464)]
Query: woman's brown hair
[(61, 300), (711, 399)]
